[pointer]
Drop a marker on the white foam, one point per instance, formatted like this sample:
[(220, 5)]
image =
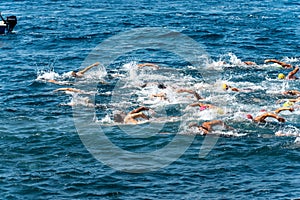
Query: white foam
[(47, 75)]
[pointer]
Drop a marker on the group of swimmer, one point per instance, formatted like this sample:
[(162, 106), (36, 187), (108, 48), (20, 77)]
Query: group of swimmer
[(207, 127)]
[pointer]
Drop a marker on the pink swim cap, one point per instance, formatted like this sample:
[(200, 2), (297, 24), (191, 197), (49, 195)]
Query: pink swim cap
[(203, 108)]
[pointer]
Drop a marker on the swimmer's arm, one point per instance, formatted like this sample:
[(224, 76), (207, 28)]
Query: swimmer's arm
[(219, 122), (162, 94), (139, 114), (195, 104), (234, 89), (198, 97), (291, 92), (272, 115), (182, 90), (53, 81), (88, 68), (201, 104), (148, 65), (283, 64), (249, 63), (142, 108), (294, 100), (69, 90), (205, 131), (292, 73), (283, 109)]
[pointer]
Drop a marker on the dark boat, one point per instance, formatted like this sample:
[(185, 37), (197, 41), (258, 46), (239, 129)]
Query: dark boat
[(7, 26)]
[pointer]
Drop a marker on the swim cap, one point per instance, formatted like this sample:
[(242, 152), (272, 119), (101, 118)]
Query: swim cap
[(220, 111), (161, 86), (288, 104), (249, 116), (203, 108), (225, 86), (281, 76)]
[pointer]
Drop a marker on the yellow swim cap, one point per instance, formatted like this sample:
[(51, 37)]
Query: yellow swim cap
[(288, 104), (220, 111), (281, 76), (225, 86)]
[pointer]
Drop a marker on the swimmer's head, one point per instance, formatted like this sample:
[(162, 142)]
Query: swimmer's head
[(281, 119), (281, 76), (203, 108), (220, 111), (143, 85), (161, 86), (119, 117), (288, 104), (249, 116), (225, 86), (74, 73)]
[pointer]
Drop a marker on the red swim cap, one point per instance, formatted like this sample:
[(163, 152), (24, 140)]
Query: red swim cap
[(249, 116)]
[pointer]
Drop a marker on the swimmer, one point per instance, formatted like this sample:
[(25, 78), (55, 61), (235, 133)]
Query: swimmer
[(154, 66), (283, 109), (292, 92), (289, 102), (69, 90), (196, 95), (54, 81), (287, 134), (159, 85), (87, 102), (161, 95), (290, 76), (207, 127), (202, 106), (261, 118), (227, 87), (75, 74), (283, 64), (80, 74), (249, 63), (131, 117)]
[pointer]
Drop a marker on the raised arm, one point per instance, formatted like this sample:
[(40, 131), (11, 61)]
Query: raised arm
[(69, 90), (88, 68), (291, 92), (195, 104), (283, 64), (262, 117), (291, 75), (140, 109), (283, 109), (148, 65), (182, 90), (202, 105)]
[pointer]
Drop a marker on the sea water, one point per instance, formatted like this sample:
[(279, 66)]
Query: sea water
[(42, 154)]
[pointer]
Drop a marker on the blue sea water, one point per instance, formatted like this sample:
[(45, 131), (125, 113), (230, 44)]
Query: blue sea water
[(42, 155)]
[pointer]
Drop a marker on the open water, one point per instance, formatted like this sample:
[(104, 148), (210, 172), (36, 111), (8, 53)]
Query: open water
[(44, 157)]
